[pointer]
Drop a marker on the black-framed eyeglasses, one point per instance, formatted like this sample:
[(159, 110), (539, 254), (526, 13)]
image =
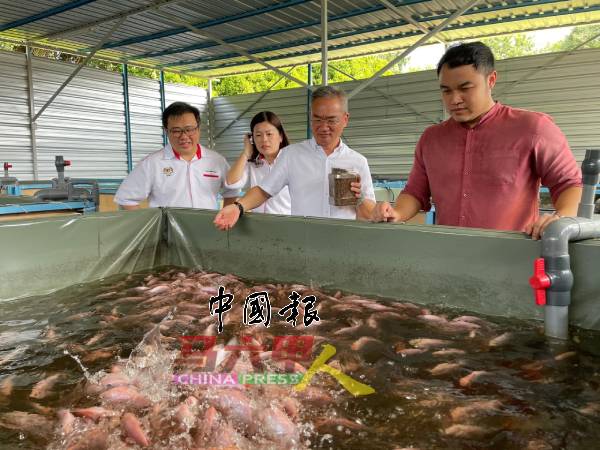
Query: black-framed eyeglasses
[(177, 132)]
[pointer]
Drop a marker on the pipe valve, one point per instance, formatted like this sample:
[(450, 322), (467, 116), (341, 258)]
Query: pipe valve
[(7, 166), (61, 163), (540, 281)]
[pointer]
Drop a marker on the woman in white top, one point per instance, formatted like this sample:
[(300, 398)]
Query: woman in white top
[(261, 148)]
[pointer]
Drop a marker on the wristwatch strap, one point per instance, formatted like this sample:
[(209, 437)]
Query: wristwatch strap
[(240, 207)]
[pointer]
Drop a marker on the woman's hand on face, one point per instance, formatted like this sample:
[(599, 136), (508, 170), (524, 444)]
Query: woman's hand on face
[(248, 149)]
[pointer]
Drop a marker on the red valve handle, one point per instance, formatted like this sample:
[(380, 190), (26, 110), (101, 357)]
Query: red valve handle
[(7, 166), (67, 163), (539, 281)]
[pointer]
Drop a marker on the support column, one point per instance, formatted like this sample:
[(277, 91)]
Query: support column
[(162, 103), (210, 115), (127, 118), (308, 102), (324, 43), (32, 123)]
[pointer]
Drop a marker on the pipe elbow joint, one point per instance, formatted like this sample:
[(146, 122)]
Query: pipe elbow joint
[(556, 237), (590, 166)]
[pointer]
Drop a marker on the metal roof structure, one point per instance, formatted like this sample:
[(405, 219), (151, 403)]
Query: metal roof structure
[(214, 39)]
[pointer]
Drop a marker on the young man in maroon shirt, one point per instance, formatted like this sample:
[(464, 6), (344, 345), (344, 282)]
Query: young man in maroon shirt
[(483, 166)]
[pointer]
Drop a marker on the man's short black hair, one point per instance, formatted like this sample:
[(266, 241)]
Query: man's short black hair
[(472, 53), (179, 109)]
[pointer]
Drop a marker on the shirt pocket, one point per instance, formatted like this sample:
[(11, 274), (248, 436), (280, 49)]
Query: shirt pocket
[(209, 175), (496, 166)]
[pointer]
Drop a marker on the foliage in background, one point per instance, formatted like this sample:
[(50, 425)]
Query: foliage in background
[(106, 65), (508, 46), (359, 68), (511, 45), (577, 36)]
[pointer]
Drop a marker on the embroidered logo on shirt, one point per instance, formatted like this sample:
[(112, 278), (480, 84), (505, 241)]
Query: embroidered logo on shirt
[(210, 174), (168, 171)]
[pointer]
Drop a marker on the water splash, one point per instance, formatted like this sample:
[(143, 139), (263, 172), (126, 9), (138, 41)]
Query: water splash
[(86, 372), (151, 364), (151, 342)]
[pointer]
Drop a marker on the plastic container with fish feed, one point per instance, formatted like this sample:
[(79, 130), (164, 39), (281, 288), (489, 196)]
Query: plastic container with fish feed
[(340, 192)]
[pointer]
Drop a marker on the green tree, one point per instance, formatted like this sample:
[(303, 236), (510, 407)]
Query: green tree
[(575, 37), (507, 46), (94, 63), (511, 45), (359, 68)]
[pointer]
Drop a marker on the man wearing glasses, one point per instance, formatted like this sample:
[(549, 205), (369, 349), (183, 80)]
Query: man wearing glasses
[(182, 174), (304, 168)]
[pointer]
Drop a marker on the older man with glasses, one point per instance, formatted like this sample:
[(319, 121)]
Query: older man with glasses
[(182, 174), (304, 168)]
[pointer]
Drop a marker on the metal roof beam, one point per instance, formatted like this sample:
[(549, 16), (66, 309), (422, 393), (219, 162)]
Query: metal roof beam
[(324, 43), (391, 97), (201, 25), (296, 43), (235, 47), (367, 29), (542, 14), (70, 51), (400, 13), (339, 58), (269, 32), (45, 14), (230, 40), (417, 44), (252, 105), (95, 23), (105, 38)]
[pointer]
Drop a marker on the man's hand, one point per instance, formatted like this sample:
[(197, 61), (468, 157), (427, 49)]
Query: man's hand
[(364, 206), (536, 229), (227, 217), (384, 212), (130, 207), (355, 187), (565, 205)]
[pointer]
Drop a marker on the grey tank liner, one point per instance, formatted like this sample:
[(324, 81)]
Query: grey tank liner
[(475, 270)]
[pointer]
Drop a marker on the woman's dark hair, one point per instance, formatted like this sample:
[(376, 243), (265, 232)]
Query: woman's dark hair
[(267, 116), (473, 53)]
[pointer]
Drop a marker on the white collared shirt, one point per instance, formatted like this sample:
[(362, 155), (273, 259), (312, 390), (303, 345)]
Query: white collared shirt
[(168, 181), (255, 173), (304, 168)]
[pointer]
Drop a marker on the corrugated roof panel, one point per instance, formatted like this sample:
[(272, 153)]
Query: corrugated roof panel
[(355, 27), (399, 44)]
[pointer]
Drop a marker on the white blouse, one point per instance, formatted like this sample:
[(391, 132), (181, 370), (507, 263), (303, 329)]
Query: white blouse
[(253, 174)]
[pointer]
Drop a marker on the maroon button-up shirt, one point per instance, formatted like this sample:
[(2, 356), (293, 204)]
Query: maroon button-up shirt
[(489, 176)]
